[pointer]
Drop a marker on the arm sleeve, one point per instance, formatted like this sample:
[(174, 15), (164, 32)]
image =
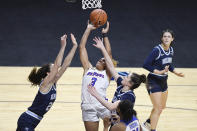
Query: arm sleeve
[(171, 68), (119, 80), (149, 60)]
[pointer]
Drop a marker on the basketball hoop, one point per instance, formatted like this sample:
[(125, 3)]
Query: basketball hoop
[(91, 4)]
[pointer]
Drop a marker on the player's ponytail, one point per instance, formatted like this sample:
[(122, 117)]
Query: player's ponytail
[(36, 75), (115, 62), (125, 108), (137, 79), (143, 78)]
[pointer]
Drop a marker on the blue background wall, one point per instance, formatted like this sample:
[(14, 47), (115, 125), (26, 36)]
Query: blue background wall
[(30, 30)]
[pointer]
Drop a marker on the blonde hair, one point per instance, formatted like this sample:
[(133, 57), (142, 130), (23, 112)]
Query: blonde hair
[(115, 62)]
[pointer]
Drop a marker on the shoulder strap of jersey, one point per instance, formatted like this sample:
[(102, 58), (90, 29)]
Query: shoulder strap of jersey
[(171, 50)]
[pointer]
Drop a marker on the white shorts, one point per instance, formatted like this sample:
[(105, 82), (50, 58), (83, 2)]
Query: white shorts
[(93, 113)]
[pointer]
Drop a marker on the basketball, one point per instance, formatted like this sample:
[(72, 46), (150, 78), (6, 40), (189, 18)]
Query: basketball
[(98, 17)]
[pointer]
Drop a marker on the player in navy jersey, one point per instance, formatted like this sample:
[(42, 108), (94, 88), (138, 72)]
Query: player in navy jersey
[(125, 85), (159, 62), (46, 78)]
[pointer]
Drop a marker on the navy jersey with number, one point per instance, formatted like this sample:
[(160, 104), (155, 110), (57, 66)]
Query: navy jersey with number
[(43, 101), (158, 59), (119, 95)]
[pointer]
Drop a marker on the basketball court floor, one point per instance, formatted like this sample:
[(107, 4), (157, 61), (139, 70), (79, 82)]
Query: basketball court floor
[(16, 95)]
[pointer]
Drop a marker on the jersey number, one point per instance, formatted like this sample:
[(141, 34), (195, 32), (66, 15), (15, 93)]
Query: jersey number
[(49, 106), (93, 81)]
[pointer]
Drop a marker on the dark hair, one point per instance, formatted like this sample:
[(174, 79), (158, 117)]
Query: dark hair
[(37, 75), (168, 30), (137, 79), (126, 109)]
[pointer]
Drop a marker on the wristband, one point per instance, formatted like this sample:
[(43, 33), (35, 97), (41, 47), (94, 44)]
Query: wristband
[(104, 35)]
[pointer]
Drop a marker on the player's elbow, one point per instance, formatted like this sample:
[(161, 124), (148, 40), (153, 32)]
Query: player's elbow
[(148, 67), (81, 47), (57, 64)]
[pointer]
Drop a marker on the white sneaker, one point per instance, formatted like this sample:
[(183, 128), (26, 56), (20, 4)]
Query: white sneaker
[(145, 126)]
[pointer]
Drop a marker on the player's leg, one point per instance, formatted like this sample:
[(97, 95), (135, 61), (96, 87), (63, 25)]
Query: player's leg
[(156, 99), (90, 118), (105, 115), (91, 126), (164, 99), (164, 94), (153, 86)]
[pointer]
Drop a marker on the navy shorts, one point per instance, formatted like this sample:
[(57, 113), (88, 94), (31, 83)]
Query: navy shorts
[(27, 123), (156, 84)]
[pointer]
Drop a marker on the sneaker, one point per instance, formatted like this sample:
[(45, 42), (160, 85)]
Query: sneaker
[(145, 126)]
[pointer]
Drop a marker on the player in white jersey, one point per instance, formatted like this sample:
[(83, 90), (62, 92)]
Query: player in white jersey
[(98, 77)]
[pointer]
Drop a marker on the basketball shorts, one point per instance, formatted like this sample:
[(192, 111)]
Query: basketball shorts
[(156, 84), (91, 112), (27, 123)]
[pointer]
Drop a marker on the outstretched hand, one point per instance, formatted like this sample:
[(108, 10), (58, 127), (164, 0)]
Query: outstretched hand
[(180, 74), (90, 26), (73, 39), (99, 43), (106, 29), (63, 40), (92, 90)]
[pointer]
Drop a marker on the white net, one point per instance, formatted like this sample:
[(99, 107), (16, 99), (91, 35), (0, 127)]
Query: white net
[(91, 4)]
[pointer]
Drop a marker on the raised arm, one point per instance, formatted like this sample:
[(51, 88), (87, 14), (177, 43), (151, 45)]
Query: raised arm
[(68, 59), (109, 63), (110, 106), (54, 70), (107, 46), (106, 40), (82, 48)]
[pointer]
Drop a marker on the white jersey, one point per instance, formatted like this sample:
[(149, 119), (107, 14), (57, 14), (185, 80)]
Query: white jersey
[(99, 80)]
